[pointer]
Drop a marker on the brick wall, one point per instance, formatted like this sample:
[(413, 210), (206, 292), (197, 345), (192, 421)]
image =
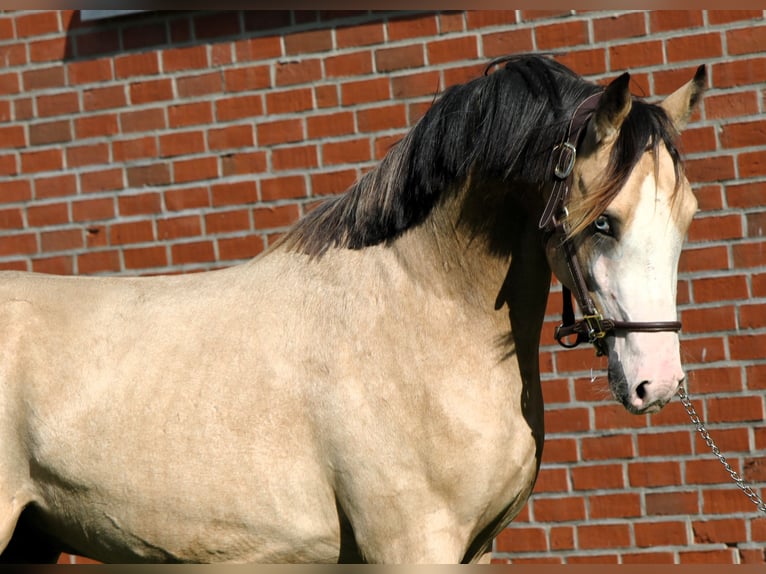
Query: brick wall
[(183, 141)]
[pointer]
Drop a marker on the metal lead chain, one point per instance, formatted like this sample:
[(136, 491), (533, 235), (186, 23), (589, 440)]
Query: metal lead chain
[(740, 482)]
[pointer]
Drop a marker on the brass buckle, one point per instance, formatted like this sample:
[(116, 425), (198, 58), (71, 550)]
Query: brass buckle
[(595, 327)]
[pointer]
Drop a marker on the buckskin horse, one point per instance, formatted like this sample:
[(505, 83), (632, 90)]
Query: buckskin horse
[(367, 389)]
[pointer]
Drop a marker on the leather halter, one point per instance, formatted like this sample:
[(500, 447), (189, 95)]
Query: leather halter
[(593, 327)]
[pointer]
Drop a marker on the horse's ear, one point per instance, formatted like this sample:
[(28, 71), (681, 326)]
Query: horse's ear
[(612, 110), (680, 104)]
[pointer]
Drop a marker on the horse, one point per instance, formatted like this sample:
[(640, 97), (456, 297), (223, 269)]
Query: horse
[(368, 389)]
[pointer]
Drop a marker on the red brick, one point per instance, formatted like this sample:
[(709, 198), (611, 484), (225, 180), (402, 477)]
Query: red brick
[(507, 42), (559, 509), (731, 105), (339, 123), (235, 108), (597, 477), (230, 137), (454, 49), (672, 503), (521, 539), (570, 33), (44, 160), (197, 169), (148, 175), (147, 120), (363, 34), (278, 132), (131, 232), (239, 247), (592, 536), (607, 447), (353, 64), (175, 227), (9, 84), (189, 198), (101, 180), (708, 319), (244, 163), (296, 157), (133, 149), (331, 183), (11, 218), (365, 91), (735, 73), (727, 501), (451, 22), (746, 40), (13, 136), (298, 100), (89, 154), (258, 48), (287, 187), (326, 96), (727, 16), (382, 118), (181, 143), (247, 78), (93, 209), (694, 47), (47, 187), (176, 59), (719, 289), (57, 104), (560, 450), (704, 259), (311, 41), (59, 265), (96, 126), (8, 165), (98, 262), (199, 85), (665, 20), (136, 65), (49, 50), (650, 534), (104, 98), (183, 115), (145, 257), (652, 474), (752, 316), (37, 24), (414, 85), (570, 419), (18, 244), (703, 350), (239, 193), (664, 444), (648, 558), (628, 25), (274, 217), (399, 58), (298, 72), (139, 204), (151, 91), (412, 27), (627, 56), (227, 221), (715, 379), (621, 505), (194, 252), (349, 151), (62, 240)]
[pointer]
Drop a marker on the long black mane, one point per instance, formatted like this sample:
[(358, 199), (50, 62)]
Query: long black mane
[(498, 127)]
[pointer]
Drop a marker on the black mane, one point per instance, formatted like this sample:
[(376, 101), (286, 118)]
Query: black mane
[(498, 127)]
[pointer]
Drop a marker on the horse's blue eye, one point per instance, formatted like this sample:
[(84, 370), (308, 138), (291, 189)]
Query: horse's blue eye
[(603, 225)]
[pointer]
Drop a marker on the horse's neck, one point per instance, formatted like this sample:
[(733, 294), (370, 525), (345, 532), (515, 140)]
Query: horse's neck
[(493, 262)]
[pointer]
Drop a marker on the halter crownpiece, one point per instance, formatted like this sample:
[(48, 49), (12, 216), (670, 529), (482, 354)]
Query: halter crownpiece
[(593, 327)]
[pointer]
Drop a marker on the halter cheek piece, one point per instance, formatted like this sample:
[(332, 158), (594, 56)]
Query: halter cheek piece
[(593, 327)]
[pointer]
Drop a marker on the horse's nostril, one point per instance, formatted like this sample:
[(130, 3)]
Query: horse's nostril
[(641, 389)]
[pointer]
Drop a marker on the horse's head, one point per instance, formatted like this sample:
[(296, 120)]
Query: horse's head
[(629, 208)]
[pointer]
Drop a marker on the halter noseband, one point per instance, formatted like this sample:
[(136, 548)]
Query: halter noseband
[(593, 327)]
